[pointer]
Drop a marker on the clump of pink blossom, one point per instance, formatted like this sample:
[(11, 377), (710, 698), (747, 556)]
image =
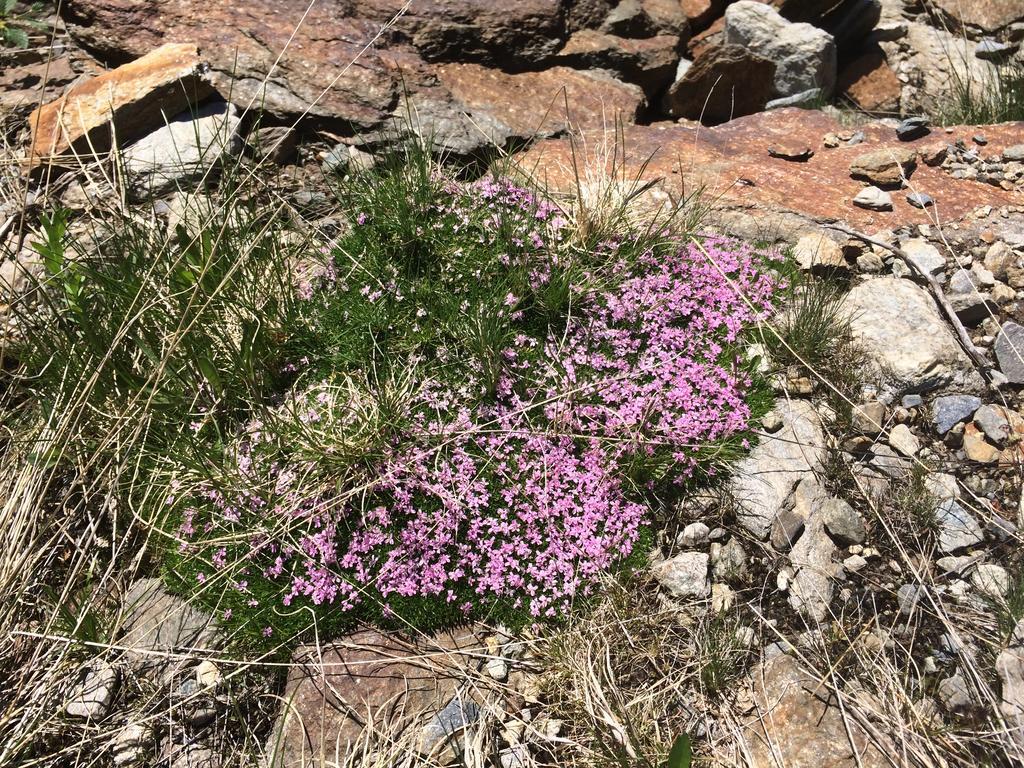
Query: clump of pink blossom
[(523, 494)]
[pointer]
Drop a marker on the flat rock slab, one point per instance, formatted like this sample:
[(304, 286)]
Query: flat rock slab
[(162, 632), (798, 723), (763, 480), (820, 189), (368, 676), (134, 98), (899, 326)]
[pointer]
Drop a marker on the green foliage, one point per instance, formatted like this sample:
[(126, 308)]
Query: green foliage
[(14, 26), (812, 334), (681, 755), (721, 653), (1009, 609), (155, 332), (997, 100)]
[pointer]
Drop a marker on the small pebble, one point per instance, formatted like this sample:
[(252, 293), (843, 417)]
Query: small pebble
[(920, 200)]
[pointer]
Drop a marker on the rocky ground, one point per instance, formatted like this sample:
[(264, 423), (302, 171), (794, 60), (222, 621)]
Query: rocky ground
[(853, 594)]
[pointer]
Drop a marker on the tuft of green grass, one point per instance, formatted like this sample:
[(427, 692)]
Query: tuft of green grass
[(812, 332), (999, 99), (1009, 609)]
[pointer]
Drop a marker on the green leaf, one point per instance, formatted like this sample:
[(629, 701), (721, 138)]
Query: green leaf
[(210, 372), (16, 37), (681, 755), (6, 6)]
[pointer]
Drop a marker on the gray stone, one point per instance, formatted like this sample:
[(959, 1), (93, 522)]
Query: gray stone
[(899, 327), (908, 596), (885, 459), (1010, 668), (810, 592), (458, 714), (1014, 153), (958, 528), (999, 259), (955, 694), (842, 521), (159, 627), (869, 418), (912, 128), (516, 756), (803, 99), (920, 199), (694, 535), (991, 580), (685, 575), (786, 529), (763, 480), (994, 423), (949, 411), (94, 693), (1009, 348), (189, 147), (912, 401), (804, 56), (729, 561), (273, 144), (873, 199)]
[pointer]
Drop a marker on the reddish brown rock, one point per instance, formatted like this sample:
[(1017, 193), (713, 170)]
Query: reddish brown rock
[(724, 82), (333, 690), (134, 97), (710, 38), (700, 13), (988, 16), (498, 106), (797, 722), (291, 58), (28, 85), (869, 82), (730, 162), (649, 62)]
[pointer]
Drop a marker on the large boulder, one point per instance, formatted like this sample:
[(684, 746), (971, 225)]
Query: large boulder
[(349, 64), (189, 147), (870, 83), (804, 56), (909, 343), (649, 62), (980, 16), (724, 82), (936, 67)]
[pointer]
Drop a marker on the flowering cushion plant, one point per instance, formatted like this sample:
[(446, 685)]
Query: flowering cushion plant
[(483, 412)]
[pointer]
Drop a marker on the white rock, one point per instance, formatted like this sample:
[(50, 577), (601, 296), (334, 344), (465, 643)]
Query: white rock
[(991, 580), (818, 251), (874, 199), (497, 668), (904, 441), (804, 55), (722, 598), (685, 575), (924, 255), (694, 535), (899, 327)]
